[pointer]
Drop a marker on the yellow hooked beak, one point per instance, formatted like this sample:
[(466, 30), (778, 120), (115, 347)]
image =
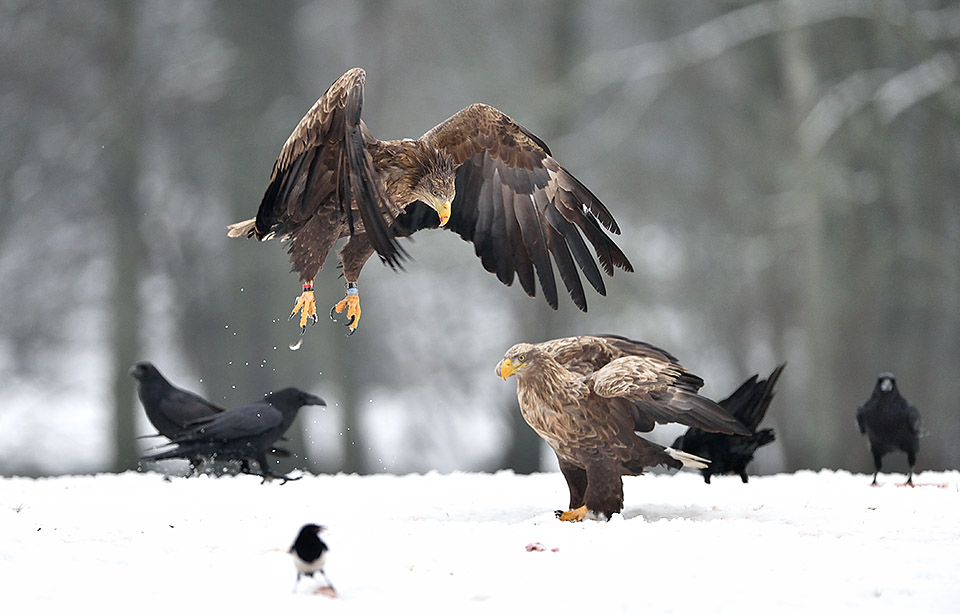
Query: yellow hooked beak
[(443, 210), (506, 368)]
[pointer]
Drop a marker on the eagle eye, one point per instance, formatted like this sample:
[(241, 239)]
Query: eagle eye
[(521, 358)]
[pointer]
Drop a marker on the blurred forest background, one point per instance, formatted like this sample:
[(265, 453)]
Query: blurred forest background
[(785, 173)]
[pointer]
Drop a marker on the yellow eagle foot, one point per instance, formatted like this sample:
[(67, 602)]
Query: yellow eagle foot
[(350, 303), (573, 515), (307, 307)]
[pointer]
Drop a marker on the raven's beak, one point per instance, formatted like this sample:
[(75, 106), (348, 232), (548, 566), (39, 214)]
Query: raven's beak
[(314, 400)]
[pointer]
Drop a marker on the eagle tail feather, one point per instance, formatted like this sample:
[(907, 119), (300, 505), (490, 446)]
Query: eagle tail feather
[(689, 460), (242, 229)]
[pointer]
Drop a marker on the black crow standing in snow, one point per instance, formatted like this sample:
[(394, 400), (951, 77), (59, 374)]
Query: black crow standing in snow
[(242, 434), (732, 453), (890, 422), (310, 555)]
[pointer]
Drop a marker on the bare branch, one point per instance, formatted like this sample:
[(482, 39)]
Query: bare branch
[(841, 102), (712, 39), (911, 86), (732, 29)]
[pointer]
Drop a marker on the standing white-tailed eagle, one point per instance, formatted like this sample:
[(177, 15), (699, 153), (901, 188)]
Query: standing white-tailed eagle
[(479, 174), (590, 397)]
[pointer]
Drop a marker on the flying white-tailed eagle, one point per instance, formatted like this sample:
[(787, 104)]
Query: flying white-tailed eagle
[(479, 174)]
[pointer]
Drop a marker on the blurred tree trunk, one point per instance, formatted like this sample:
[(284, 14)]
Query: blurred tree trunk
[(122, 200), (347, 368), (819, 427), (255, 293), (942, 191), (248, 291), (556, 59)]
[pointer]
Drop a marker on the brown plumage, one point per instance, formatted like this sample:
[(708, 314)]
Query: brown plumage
[(588, 397), (479, 174)]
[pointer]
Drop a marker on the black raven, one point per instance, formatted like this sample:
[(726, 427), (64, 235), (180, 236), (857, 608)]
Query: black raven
[(169, 408), (310, 555), (732, 453), (242, 434), (890, 422)]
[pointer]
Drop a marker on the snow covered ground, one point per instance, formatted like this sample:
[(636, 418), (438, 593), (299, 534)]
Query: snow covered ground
[(458, 543)]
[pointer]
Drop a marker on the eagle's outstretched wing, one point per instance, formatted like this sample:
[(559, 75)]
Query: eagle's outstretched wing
[(519, 207), (324, 163)]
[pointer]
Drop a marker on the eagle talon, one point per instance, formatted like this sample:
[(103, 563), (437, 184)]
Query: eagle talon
[(306, 306), (351, 305), (576, 515)]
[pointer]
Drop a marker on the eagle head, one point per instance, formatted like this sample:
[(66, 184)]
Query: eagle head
[(515, 359), (436, 188)]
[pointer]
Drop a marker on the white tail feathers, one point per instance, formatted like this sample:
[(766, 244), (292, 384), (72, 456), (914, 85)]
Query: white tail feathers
[(242, 229), (688, 460)]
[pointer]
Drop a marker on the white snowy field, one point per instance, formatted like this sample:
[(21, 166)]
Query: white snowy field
[(452, 543)]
